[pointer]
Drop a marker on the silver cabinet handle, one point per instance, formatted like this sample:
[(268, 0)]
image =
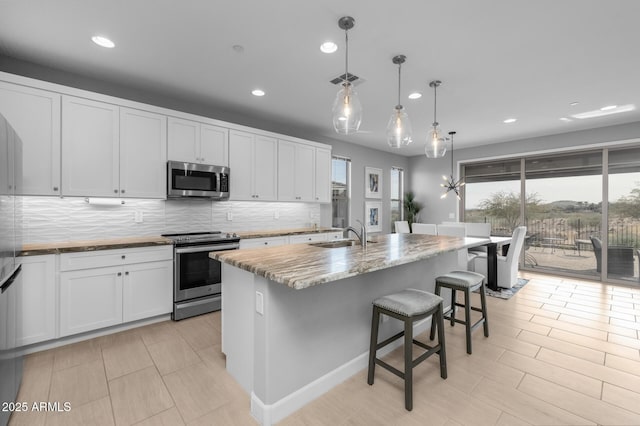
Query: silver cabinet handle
[(126, 273), (115, 191), (119, 274), (123, 256), (55, 188), (122, 190)]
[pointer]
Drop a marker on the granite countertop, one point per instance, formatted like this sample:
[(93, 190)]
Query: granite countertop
[(37, 249), (302, 265), (285, 232)]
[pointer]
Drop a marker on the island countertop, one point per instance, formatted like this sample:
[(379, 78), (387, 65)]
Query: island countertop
[(301, 266)]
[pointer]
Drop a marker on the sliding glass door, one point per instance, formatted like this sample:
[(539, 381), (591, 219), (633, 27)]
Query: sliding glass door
[(581, 209), (623, 226), (563, 213)]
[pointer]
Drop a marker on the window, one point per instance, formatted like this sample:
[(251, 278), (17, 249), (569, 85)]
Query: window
[(397, 194), (340, 191)]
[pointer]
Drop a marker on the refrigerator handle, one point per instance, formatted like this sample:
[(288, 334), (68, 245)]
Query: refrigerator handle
[(7, 283)]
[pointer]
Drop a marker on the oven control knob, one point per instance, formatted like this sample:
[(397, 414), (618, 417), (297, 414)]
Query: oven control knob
[(235, 235), (228, 235)]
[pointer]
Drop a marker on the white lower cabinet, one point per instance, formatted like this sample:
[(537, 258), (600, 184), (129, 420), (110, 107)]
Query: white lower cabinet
[(90, 299), (37, 300), (145, 290), (109, 287)]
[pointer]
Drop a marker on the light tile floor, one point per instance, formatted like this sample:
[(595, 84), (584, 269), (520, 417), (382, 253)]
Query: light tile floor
[(561, 351)]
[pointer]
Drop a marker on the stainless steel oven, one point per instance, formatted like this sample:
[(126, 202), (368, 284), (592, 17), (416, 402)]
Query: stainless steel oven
[(197, 280)]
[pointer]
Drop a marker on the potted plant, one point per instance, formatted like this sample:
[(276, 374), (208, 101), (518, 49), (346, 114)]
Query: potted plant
[(411, 207)]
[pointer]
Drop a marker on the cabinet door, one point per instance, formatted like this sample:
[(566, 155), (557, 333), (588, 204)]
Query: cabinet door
[(37, 300), (286, 171), (147, 290), (241, 164), (143, 154), (183, 140), (35, 116), (304, 166), (323, 175), (90, 152), (90, 299), (265, 168), (214, 145)]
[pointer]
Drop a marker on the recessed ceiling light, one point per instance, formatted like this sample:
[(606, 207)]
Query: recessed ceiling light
[(257, 92), (574, 103), (608, 107), (565, 119), (103, 41), (415, 95), (601, 112), (510, 120), (328, 47)]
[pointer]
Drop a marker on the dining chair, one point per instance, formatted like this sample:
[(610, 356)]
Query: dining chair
[(464, 256), (507, 265), (402, 227), (424, 228)]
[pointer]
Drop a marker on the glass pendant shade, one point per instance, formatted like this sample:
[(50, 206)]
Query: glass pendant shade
[(347, 110), (399, 128), (436, 145)]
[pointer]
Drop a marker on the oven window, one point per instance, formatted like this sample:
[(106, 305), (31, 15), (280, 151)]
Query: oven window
[(198, 270), (193, 180)]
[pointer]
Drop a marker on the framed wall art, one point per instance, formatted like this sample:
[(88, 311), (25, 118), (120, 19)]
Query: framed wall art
[(373, 216), (372, 182)]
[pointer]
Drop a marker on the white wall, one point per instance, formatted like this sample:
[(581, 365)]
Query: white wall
[(362, 157), (426, 174)]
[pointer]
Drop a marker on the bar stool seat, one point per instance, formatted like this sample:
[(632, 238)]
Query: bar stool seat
[(409, 305), (467, 282)]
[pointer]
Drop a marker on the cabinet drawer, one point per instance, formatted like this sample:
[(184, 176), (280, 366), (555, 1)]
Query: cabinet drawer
[(104, 258), (307, 238), (263, 242), (335, 235)]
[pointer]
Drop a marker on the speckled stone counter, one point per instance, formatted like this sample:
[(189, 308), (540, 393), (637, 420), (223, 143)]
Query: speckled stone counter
[(92, 245), (285, 232), (301, 266)]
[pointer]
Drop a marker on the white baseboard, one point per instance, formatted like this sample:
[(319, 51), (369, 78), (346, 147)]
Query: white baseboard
[(269, 414)]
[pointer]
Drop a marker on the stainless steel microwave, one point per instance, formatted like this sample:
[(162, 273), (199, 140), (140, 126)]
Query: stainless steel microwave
[(186, 180)]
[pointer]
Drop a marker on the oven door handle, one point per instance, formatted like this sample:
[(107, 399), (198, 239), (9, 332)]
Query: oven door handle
[(217, 247)]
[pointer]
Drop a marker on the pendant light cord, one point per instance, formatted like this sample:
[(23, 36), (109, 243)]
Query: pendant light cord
[(452, 157), (435, 104), (399, 78), (346, 56)]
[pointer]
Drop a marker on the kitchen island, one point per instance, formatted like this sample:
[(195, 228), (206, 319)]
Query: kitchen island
[(296, 319)]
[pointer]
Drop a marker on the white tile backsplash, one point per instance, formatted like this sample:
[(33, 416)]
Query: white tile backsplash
[(52, 219)]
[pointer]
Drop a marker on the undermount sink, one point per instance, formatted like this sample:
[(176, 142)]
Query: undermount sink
[(337, 243)]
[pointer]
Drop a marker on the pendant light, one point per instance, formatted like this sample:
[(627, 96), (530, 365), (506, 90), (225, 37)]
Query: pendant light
[(452, 184), (435, 147), (399, 126), (347, 110)]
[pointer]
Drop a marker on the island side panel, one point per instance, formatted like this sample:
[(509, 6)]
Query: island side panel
[(238, 308), (306, 334)]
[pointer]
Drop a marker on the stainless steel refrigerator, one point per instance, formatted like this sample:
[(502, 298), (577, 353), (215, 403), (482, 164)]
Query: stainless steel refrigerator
[(10, 268)]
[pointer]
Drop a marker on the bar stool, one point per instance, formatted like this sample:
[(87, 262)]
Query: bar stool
[(408, 306), (465, 281)]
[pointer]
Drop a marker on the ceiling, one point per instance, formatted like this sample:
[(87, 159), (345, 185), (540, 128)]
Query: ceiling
[(497, 59)]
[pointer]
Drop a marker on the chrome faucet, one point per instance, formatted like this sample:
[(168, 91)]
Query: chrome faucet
[(362, 235)]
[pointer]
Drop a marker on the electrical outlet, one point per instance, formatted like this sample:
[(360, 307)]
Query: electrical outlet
[(138, 216), (276, 214), (229, 216), (259, 303), (452, 215)]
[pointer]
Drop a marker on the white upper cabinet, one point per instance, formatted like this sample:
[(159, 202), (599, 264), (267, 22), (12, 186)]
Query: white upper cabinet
[(90, 148), (35, 116), (323, 175), (253, 162), (143, 154), (106, 148), (296, 164), (194, 142)]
